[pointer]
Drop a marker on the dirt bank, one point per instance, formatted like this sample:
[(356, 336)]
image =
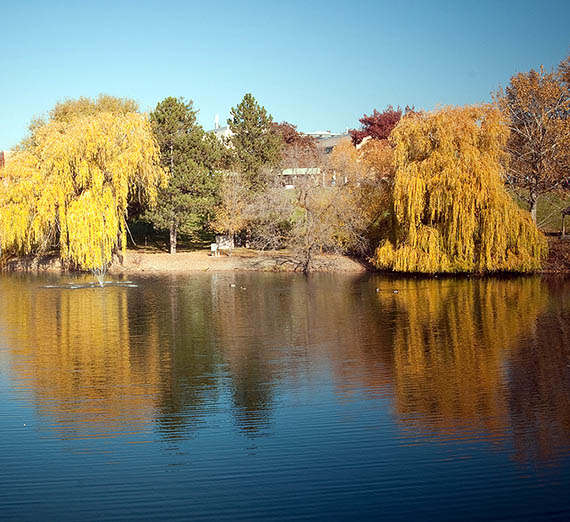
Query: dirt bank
[(241, 259), (558, 255), (136, 262)]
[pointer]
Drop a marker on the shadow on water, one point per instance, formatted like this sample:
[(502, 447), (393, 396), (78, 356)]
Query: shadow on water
[(453, 358)]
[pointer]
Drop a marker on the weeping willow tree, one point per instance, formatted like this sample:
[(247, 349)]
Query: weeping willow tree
[(450, 346), (452, 211), (70, 183)]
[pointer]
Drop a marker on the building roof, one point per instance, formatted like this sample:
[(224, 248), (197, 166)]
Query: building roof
[(221, 132), (332, 141)]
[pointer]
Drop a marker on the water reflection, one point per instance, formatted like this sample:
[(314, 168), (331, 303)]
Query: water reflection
[(451, 341), (489, 357), (539, 381)]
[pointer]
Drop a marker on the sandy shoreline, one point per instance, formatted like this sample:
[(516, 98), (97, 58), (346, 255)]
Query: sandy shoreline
[(137, 262), (149, 262), (240, 260)]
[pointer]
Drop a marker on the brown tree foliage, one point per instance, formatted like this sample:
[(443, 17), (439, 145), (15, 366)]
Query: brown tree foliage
[(325, 220), (368, 172), (536, 106), (564, 71), (231, 215), (312, 218), (299, 150)]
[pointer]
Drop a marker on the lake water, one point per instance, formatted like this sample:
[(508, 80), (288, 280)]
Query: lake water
[(252, 396)]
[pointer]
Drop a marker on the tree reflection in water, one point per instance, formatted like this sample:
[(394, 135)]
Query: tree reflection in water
[(454, 356)]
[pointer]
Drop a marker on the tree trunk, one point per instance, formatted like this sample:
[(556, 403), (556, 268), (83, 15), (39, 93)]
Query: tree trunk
[(173, 234), (533, 204), (308, 261), (119, 249)]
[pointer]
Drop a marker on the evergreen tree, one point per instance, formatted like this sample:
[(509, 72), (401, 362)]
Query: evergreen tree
[(189, 157), (253, 141)]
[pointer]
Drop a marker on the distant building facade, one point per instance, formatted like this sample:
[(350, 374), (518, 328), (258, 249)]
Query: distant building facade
[(222, 133), (326, 142)]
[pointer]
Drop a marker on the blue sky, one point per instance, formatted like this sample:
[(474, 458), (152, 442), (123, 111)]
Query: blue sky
[(319, 65)]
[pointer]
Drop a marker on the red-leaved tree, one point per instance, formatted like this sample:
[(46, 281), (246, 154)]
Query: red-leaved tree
[(298, 150), (378, 125)]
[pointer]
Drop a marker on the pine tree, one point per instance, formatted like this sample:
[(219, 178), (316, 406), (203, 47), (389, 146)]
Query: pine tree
[(183, 205), (255, 145)]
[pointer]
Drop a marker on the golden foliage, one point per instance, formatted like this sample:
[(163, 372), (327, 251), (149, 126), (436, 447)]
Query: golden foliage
[(451, 206), (451, 344), (67, 110), (536, 106), (232, 212), (344, 162), (74, 183), (564, 71)]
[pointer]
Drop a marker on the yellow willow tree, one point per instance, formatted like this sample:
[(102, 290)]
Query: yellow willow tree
[(453, 213), (71, 184)]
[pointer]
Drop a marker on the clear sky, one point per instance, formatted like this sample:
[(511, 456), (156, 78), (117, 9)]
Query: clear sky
[(319, 65)]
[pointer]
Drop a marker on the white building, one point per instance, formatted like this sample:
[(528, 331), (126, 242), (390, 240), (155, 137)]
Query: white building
[(326, 140), (222, 133)]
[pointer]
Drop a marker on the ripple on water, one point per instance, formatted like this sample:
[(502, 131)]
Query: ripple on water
[(302, 398)]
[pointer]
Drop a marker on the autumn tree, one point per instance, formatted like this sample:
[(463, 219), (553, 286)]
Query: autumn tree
[(183, 206), (256, 147), (453, 213), (536, 106), (324, 220), (70, 184), (378, 125), (564, 72), (309, 219), (69, 109), (369, 171), (373, 193), (298, 150), (231, 215), (271, 214)]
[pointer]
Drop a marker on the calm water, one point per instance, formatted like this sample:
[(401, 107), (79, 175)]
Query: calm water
[(279, 397)]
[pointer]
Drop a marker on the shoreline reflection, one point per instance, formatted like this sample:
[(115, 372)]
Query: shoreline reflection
[(454, 358)]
